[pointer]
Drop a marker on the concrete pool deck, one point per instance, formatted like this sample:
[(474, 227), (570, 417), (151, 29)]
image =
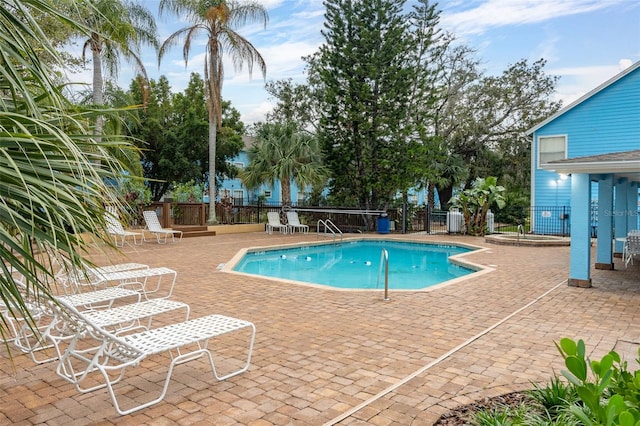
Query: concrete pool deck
[(325, 356)]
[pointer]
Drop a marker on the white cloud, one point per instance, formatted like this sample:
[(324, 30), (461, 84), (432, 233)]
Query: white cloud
[(624, 64), (498, 13), (256, 112), (548, 47), (578, 81)]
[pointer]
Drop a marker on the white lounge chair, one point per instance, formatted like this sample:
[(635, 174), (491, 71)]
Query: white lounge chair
[(274, 223), (151, 283), (117, 231), (42, 332), (155, 282), (293, 221), (53, 331), (73, 278), (95, 350), (154, 227), (631, 248)]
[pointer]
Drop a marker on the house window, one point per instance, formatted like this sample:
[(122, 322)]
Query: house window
[(239, 165), (267, 194), (238, 197), (552, 148)]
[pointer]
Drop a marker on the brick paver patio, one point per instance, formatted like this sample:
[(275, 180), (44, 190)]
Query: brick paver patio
[(326, 356)]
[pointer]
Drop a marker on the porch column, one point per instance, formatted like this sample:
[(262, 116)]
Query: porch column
[(632, 207), (619, 219), (580, 251), (604, 253)]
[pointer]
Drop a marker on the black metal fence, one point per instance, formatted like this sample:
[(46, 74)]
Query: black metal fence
[(553, 220)]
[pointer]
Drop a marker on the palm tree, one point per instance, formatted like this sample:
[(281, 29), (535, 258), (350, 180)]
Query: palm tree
[(217, 19), (118, 28), (51, 190), (285, 153)]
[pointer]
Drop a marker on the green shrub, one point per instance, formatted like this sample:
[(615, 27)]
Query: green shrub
[(555, 397), (608, 393), (188, 192), (505, 415)]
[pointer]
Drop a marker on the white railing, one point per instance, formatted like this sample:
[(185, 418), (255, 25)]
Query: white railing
[(329, 227)]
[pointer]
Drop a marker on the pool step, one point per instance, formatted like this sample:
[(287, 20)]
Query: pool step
[(194, 231)]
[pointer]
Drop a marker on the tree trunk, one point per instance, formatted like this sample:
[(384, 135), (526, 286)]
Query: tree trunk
[(445, 196), (286, 191), (212, 168), (431, 197), (98, 83), (213, 91)]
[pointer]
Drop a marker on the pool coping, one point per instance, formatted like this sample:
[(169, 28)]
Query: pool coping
[(457, 259)]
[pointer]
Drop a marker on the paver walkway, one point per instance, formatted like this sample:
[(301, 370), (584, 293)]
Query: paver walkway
[(326, 356)]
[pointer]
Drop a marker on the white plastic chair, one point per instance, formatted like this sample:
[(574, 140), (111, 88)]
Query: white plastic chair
[(154, 227), (631, 247), (294, 223), (95, 350), (274, 223), (117, 231)]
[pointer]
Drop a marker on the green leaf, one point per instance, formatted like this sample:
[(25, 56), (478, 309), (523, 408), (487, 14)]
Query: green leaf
[(590, 399), (614, 407), (606, 362), (581, 415), (568, 346), (626, 419), (596, 368), (581, 348), (573, 379), (615, 356), (577, 366), (604, 382)]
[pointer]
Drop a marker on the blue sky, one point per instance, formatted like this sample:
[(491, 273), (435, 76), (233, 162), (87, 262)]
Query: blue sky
[(585, 42)]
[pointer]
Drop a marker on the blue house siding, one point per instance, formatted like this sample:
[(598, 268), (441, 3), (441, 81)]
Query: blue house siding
[(602, 131), (231, 186), (608, 121), (605, 120)]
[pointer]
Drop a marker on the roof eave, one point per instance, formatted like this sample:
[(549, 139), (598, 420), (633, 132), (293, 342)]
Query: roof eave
[(593, 167)]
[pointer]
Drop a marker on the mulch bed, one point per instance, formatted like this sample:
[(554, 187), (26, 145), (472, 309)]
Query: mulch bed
[(462, 415)]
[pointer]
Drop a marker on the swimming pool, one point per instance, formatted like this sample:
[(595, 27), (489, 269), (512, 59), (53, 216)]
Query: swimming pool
[(356, 264)]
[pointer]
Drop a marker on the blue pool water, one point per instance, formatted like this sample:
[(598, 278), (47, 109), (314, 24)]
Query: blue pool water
[(356, 264)]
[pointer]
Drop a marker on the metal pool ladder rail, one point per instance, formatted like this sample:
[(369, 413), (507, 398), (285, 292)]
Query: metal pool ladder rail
[(331, 227), (520, 232), (384, 260)]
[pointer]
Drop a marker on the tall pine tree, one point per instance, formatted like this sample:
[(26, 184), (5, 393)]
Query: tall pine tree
[(365, 80)]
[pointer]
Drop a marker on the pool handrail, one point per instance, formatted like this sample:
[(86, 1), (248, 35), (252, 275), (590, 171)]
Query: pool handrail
[(331, 227), (384, 260)]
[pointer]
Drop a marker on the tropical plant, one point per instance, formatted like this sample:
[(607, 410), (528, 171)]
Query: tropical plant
[(51, 189), (132, 194), (608, 393), (554, 396), (188, 192), (476, 201), (500, 416), (218, 20), (285, 153), (118, 28)]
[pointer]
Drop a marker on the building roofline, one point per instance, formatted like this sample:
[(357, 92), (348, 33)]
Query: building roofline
[(583, 98)]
